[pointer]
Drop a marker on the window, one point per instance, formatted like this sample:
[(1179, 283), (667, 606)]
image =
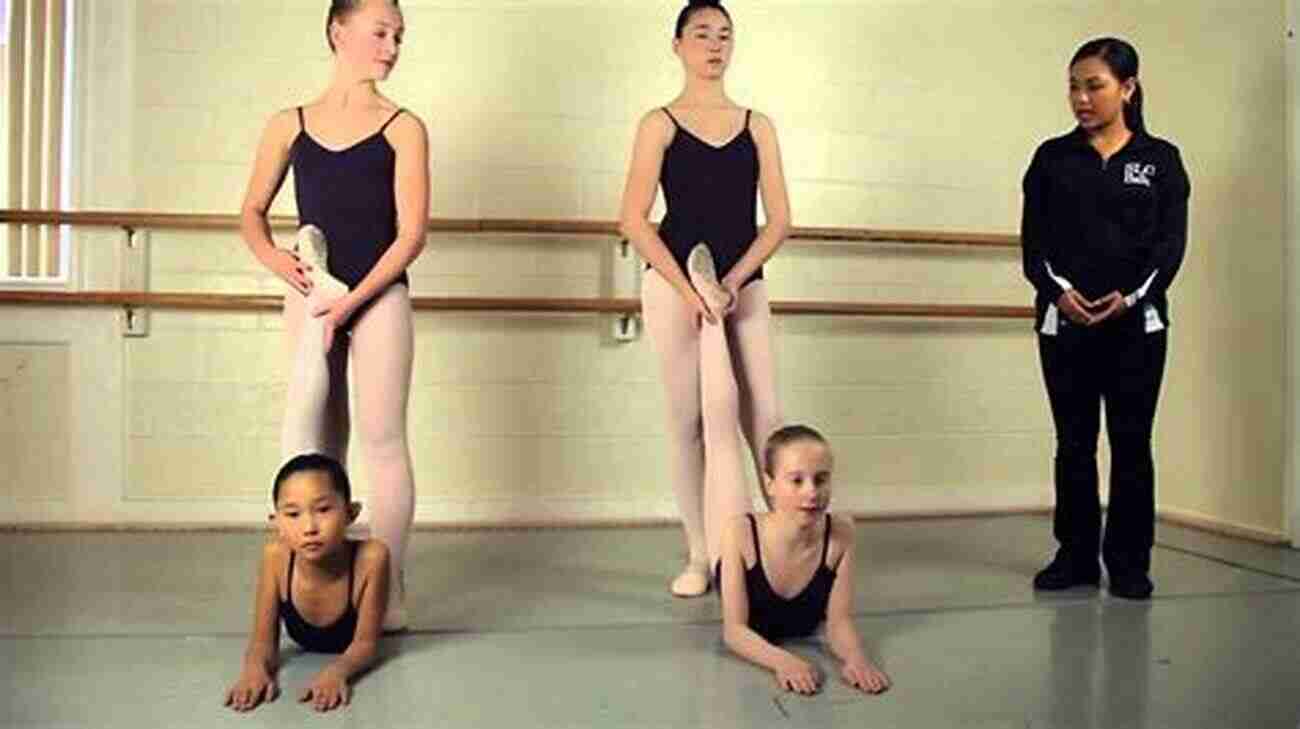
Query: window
[(36, 121)]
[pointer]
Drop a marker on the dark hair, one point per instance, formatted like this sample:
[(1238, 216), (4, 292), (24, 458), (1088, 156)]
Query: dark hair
[(693, 7), (1122, 60), (340, 10), (306, 462), (784, 437)]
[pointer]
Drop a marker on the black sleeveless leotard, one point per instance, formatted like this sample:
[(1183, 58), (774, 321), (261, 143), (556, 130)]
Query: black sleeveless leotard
[(777, 618), (348, 194), (332, 638), (711, 194)]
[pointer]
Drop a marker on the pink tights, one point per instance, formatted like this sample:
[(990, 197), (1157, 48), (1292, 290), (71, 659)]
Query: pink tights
[(716, 377), (316, 409)]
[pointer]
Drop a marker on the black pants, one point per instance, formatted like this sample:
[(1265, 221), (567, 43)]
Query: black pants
[(1119, 363)]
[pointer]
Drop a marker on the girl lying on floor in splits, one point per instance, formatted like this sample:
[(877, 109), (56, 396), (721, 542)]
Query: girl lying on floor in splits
[(330, 591), (784, 573)]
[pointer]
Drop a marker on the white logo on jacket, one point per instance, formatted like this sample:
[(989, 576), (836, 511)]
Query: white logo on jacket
[(1136, 173)]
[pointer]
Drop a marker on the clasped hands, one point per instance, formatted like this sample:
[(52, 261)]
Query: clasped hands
[(1078, 309)]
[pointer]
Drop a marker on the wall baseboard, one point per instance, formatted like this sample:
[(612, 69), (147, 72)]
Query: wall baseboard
[(508, 524), (1179, 517), (1221, 527)]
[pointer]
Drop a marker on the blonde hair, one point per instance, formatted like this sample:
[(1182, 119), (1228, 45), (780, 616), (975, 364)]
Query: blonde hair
[(340, 10)]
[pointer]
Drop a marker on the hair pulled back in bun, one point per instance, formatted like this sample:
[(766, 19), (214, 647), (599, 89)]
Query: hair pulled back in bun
[(340, 10), (693, 7)]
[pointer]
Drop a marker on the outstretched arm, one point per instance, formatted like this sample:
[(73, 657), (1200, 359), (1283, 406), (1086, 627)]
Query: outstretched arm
[(792, 672), (330, 689), (262, 657), (841, 634)]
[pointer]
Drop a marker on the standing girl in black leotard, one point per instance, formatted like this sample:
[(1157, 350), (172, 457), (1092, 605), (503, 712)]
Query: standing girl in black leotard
[(713, 336), (767, 558), (362, 180), (329, 591)]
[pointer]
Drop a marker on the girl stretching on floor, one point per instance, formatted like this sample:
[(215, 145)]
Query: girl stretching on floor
[(330, 591), (784, 573)]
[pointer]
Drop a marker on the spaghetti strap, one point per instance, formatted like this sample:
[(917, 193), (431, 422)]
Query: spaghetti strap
[(288, 585), (302, 125), (673, 118), (390, 119), (826, 541), (352, 569), (747, 113), (758, 552)]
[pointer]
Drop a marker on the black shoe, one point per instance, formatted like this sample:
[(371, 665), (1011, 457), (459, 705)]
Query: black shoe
[(1062, 574), (1131, 585)]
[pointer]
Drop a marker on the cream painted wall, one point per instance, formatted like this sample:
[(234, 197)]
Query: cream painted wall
[(891, 114)]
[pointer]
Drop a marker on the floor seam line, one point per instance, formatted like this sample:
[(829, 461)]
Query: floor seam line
[(776, 701), (1047, 604)]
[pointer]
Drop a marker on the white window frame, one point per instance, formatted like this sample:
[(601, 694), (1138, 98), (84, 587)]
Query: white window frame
[(61, 237)]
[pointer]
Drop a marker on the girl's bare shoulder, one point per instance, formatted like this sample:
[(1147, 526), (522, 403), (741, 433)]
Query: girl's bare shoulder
[(284, 124), (842, 537), (275, 552), (372, 554)]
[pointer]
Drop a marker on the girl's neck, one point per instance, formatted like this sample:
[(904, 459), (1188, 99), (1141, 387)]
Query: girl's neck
[(331, 566), (703, 92), (347, 92), (793, 530)]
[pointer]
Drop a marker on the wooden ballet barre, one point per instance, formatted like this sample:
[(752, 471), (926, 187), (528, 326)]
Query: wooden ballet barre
[(924, 237), (272, 302), (183, 221), (919, 311), (207, 221)]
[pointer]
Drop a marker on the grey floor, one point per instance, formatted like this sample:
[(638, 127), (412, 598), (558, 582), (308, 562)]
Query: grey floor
[(575, 629)]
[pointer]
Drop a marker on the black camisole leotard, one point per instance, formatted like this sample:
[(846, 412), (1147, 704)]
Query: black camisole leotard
[(711, 194), (332, 638), (348, 194), (778, 618)]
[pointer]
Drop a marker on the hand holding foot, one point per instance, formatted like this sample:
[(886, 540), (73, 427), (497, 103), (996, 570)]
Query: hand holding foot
[(328, 295), (704, 277), (313, 251), (332, 315)]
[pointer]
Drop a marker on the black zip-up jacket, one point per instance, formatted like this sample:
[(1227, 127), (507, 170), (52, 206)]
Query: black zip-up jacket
[(1104, 226)]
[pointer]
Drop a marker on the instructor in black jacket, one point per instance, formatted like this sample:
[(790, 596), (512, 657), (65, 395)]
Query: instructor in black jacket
[(1103, 234)]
